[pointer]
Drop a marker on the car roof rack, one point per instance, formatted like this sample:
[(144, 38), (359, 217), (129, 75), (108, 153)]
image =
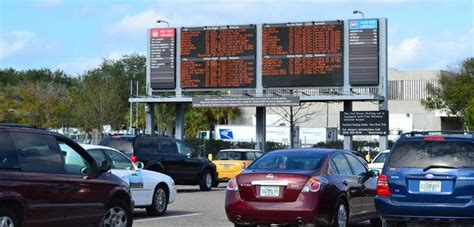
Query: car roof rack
[(15, 125), (438, 133)]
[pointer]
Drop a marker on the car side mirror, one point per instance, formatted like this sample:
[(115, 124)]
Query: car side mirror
[(374, 173), (105, 166), (140, 165), (209, 157)]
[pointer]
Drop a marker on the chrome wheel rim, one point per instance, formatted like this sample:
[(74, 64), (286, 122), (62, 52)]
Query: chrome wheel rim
[(6, 222), (208, 180), (342, 216), (115, 217), (160, 200)]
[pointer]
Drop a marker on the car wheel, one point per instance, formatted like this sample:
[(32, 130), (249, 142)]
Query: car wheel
[(205, 183), (118, 214), (8, 218), (160, 202), (341, 217), (377, 222)]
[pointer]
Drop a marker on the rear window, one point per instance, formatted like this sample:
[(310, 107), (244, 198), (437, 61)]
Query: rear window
[(123, 144), (288, 161), (230, 155), (380, 158), (421, 154)]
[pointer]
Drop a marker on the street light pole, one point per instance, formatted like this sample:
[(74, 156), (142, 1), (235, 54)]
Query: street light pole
[(163, 21), (358, 12)]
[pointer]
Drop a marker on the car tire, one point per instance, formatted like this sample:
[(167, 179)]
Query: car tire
[(341, 216), (9, 217), (160, 202), (118, 213), (376, 222), (206, 181)]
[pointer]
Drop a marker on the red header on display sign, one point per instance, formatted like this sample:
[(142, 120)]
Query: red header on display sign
[(162, 33)]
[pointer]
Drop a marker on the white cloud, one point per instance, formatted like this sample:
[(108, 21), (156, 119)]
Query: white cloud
[(82, 64), (15, 42), (402, 54), (136, 24)]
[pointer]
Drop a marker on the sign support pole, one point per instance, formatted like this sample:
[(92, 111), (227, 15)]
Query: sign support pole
[(180, 109), (261, 110), (150, 107), (383, 87), (347, 139), (347, 86)]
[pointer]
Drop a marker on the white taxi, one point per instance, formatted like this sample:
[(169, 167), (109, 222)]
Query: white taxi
[(150, 190)]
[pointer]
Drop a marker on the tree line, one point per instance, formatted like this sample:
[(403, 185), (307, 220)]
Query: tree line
[(98, 97)]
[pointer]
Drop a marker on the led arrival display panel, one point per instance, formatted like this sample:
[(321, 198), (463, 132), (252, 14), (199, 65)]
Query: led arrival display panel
[(306, 54), (162, 58), (218, 57)]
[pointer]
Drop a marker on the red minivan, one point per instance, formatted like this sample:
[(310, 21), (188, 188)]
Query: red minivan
[(44, 185)]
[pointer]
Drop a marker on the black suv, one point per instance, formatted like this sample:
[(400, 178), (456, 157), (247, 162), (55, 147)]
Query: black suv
[(166, 155), (47, 179)]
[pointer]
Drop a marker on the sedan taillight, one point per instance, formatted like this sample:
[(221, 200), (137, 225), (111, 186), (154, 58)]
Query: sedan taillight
[(232, 185), (382, 186), (313, 185)]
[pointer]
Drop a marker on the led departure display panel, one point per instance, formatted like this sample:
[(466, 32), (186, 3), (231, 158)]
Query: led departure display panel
[(363, 52), (306, 54), (218, 57)]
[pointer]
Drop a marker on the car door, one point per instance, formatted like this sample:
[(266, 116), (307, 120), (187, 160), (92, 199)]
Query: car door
[(367, 183), (192, 163), (175, 163), (88, 196), (45, 188), (349, 183), (124, 168)]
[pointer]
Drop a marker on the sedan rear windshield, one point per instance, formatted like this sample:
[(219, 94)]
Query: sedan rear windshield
[(288, 161), (422, 154)]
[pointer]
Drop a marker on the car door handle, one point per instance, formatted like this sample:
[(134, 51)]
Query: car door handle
[(63, 187), (345, 183)]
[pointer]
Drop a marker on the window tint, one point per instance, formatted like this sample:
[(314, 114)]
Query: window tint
[(38, 153), (341, 165), (118, 161), (380, 158), (183, 148), (250, 156), (421, 154), (74, 162), (123, 144), (357, 167), (289, 161), (146, 146), (97, 155), (8, 156), (168, 146)]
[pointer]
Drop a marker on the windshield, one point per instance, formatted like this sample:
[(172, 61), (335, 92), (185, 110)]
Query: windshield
[(122, 144), (380, 158), (288, 161), (421, 154), (230, 155)]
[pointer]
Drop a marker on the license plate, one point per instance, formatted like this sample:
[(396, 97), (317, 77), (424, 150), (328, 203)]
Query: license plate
[(271, 191), (430, 186), (226, 166)]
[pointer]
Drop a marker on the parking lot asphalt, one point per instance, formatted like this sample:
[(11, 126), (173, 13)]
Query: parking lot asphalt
[(194, 208)]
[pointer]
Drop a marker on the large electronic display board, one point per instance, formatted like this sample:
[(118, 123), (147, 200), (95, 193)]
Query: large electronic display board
[(363, 52), (308, 54), (218, 57), (162, 58)]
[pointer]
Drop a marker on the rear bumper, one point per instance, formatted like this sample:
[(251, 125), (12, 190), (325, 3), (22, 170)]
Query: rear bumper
[(305, 209), (421, 212), (226, 176)]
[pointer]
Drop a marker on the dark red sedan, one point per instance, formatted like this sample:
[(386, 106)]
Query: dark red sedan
[(303, 186)]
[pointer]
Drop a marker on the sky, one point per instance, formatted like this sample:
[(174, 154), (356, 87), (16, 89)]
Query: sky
[(76, 35)]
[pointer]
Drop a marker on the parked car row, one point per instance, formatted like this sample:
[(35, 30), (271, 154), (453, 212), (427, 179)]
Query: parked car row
[(426, 178)]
